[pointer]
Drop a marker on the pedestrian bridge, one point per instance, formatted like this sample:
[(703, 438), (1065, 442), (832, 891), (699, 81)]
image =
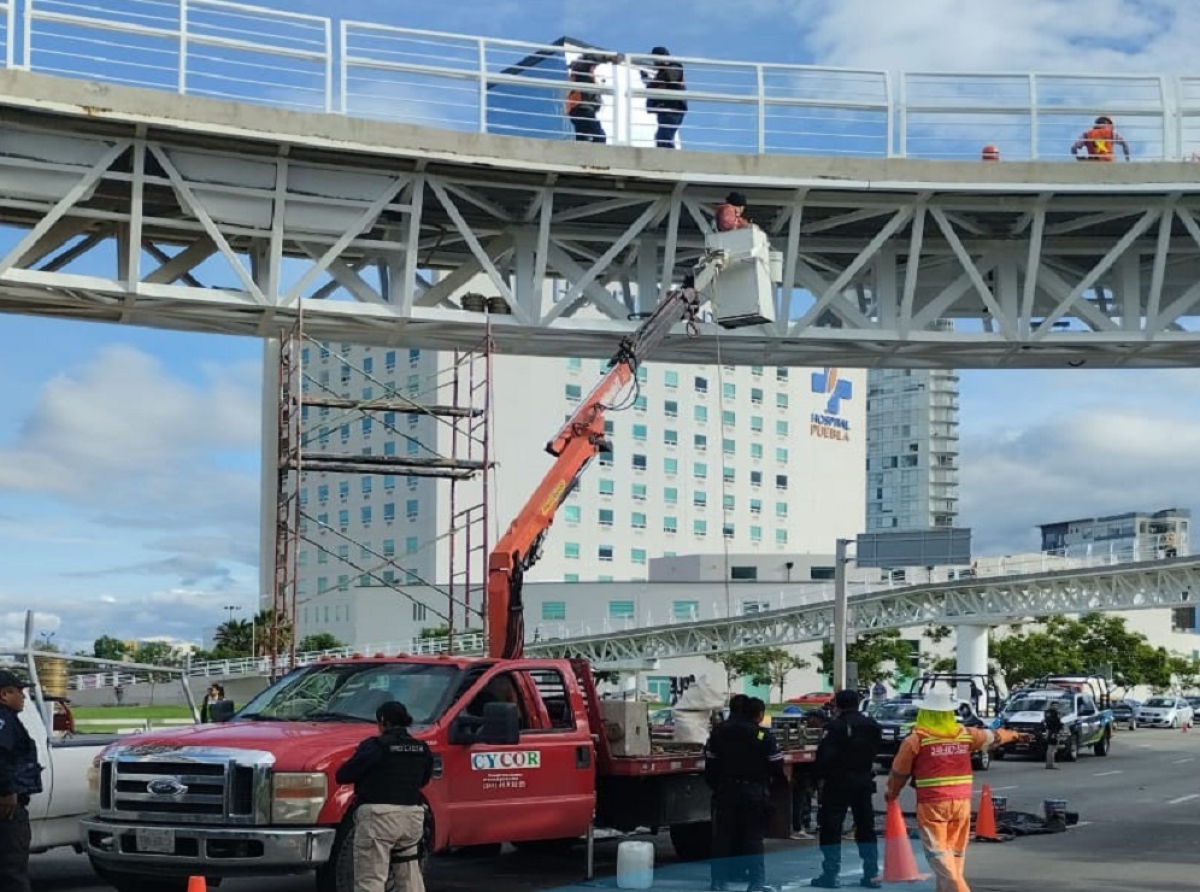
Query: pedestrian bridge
[(211, 166), (1005, 590)]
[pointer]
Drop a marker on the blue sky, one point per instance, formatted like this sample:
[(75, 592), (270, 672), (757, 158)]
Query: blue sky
[(129, 458)]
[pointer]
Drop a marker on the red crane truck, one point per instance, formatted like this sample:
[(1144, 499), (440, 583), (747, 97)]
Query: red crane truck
[(524, 753)]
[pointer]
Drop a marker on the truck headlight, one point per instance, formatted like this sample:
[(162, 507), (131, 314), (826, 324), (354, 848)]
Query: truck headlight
[(297, 797)]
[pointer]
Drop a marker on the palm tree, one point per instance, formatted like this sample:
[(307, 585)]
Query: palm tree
[(234, 638)]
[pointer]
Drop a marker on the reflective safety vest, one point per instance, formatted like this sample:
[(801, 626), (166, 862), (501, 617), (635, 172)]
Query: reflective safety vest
[(942, 768), (1100, 143)]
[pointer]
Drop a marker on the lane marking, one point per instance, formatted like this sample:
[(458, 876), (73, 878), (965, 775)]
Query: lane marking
[(1085, 823), (1181, 761), (1107, 773), (1144, 746), (1180, 799), (1013, 787)]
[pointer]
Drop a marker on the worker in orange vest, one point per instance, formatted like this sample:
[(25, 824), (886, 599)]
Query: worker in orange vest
[(936, 756), (1100, 141)]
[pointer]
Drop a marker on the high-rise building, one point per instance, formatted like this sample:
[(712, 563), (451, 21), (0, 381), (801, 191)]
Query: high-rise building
[(753, 460), (1132, 536), (912, 449)]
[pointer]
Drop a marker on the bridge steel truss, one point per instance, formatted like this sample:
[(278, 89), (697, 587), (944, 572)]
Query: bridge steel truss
[(1174, 582), (123, 214)]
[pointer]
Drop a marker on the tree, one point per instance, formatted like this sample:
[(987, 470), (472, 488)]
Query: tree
[(735, 663), (428, 632), (233, 638), (319, 641), (769, 666), (877, 655), (106, 647)]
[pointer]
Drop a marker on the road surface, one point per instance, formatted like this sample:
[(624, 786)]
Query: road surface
[(1139, 824)]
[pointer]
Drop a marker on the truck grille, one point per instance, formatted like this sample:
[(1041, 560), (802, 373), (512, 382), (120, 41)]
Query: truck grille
[(188, 791)]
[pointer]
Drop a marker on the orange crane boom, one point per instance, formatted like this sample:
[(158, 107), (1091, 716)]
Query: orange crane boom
[(579, 441)]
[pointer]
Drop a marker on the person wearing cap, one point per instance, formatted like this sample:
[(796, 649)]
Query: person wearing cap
[(846, 766), (936, 756), (20, 778), (741, 759), (732, 214), (670, 111), (1099, 142), (388, 772)]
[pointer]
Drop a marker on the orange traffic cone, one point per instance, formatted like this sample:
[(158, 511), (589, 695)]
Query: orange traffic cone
[(899, 863), (985, 821), (197, 884)]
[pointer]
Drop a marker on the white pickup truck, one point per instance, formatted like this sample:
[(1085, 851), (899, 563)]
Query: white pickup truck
[(66, 760)]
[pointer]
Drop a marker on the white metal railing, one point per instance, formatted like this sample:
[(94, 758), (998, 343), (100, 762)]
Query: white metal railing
[(247, 53)]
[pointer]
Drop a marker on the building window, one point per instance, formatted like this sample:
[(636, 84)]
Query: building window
[(781, 400), (728, 446), (639, 462), (700, 414), (606, 487), (389, 548), (639, 492), (419, 612), (756, 478), (670, 525), (671, 495), (638, 555), (670, 466), (671, 438), (605, 517), (700, 442), (745, 573), (781, 537), (781, 374), (366, 485), (570, 577), (700, 499), (574, 364), (685, 611), (729, 418), (728, 502), (671, 409), (821, 574), (574, 392), (343, 552), (781, 509), (571, 551), (756, 450), (344, 583), (389, 361), (411, 544), (639, 432), (727, 531), (729, 390), (414, 356), (700, 527), (344, 490), (344, 519), (729, 475), (700, 470), (323, 493), (781, 482), (554, 611), (756, 506), (781, 428), (756, 396), (638, 520), (756, 423), (642, 375), (640, 403), (606, 457), (781, 455), (389, 511), (621, 610), (411, 508), (572, 513), (671, 379), (755, 534), (605, 553), (389, 482), (701, 385)]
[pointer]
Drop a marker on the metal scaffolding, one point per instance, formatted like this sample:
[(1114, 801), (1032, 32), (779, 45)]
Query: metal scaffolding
[(465, 426)]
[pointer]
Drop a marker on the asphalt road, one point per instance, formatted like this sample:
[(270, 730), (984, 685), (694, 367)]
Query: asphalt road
[(1139, 829)]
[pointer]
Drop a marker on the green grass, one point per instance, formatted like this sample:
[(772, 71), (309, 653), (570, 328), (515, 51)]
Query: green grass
[(83, 713)]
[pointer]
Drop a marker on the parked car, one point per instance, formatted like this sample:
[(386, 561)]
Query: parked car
[(1125, 713), (815, 700), (662, 723), (1165, 712)]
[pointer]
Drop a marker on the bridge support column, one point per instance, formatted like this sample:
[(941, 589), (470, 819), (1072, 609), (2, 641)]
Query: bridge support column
[(971, 651)]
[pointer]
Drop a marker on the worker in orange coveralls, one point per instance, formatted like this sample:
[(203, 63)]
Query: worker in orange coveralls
[(937, 756)]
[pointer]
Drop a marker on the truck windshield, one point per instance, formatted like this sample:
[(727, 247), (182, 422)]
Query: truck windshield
[(1040, 704), (352, 692), (897, 712)]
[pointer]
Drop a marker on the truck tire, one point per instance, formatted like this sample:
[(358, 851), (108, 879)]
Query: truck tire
[(1071, 753), (983, 760), (337, 874), (1102, 745), (140, 882), (692, 842)]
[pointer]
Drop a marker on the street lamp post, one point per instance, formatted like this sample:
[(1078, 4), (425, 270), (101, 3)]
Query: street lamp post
[(839, 615), (231, 609)]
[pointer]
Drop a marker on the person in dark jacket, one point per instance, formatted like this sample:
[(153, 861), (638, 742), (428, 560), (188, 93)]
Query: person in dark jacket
[(20, 778), (741, 759), (583, 100), (1054, 726), (388, 773), (670, 111), (846, 765), (215, 707)]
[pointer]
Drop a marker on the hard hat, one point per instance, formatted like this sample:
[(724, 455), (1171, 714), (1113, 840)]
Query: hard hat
[(938, 701)]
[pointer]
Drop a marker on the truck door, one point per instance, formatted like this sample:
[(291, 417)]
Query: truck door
[(1089, 720), (541, 788)]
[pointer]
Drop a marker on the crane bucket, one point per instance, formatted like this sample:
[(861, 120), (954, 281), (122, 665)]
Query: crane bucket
[(744, 293)]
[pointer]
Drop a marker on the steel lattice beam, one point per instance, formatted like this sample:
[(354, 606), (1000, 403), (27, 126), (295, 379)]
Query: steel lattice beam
[(226, 228), (994, 601)]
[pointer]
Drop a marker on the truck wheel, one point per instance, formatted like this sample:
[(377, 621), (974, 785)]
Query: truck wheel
[(1072, 751), (692, 842), (139, 882), (983, 760), (1102, 745), (337, 874)]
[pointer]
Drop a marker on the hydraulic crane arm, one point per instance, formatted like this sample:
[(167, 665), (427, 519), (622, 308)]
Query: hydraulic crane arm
[(579, 441)]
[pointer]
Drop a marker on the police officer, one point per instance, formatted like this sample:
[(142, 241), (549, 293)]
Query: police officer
[(20, 778), (1054, 726), (388, 772), (846, 765), (741, 760)]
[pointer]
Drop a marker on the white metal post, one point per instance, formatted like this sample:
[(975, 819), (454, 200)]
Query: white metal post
[(902, 112), (889, 89), (183, 46), (343, 68), (10, 37), (762, 108), (328, 65), (1172, 149), (27, 55), (839, 615), (483, 85), (1033, 118)]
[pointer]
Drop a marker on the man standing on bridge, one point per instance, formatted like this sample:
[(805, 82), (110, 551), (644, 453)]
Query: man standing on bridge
[(937, 756), (1100, 142)]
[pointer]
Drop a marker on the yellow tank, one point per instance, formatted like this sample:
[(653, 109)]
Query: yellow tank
[(52, 674)]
